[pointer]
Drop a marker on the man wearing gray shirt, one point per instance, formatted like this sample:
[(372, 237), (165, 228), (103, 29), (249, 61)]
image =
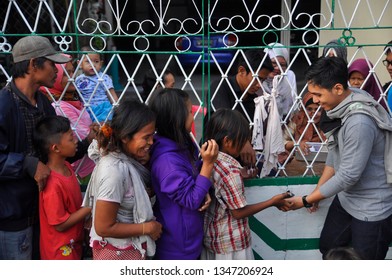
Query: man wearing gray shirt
[(358, 169)]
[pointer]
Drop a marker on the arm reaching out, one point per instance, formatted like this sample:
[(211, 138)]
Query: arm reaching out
[(278, 201), (209, 153)]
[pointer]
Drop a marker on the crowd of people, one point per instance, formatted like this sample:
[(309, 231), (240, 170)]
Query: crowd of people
[(152, 192)]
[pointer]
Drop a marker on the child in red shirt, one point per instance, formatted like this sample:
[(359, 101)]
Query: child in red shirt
[(60, 212)]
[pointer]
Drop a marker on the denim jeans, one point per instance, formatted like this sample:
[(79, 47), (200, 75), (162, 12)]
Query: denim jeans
[(16, 245), (370, 240)]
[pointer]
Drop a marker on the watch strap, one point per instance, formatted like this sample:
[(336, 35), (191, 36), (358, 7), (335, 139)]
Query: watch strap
[(306, 204)]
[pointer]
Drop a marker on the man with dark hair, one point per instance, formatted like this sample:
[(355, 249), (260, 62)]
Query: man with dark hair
[(358, 169), (388, 64), (239, 91), (22, 175)]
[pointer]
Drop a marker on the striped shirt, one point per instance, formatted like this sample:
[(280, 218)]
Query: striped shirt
[(222, 232)]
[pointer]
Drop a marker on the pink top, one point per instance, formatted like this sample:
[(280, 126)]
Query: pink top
[(81, 126)]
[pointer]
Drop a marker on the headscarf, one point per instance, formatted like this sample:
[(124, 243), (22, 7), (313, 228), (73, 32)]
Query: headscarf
[(361, 65), (301, 120), (287, 86), (277, 49), (338, 47)]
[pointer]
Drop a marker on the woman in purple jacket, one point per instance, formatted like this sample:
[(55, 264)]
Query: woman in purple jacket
[(181, 182)]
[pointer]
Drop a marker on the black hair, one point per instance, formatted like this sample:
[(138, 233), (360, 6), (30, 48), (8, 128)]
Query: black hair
[(326, 72), (342, 253), (231, 123), (150, 79), (20, 69), (254, 58), (88, 50), (129, 117), (388, 47), (169, 104), (47, 132)]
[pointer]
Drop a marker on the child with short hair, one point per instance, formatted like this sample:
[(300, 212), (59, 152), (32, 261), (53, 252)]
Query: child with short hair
[(96, 87), (60, 212), (226, 228)]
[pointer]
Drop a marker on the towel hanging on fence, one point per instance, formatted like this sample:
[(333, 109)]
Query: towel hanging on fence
[(273, 140), (258, 122)]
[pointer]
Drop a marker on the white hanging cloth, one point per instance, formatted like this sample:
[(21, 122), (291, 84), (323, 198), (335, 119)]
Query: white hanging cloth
[(273, 140), (258, 122)]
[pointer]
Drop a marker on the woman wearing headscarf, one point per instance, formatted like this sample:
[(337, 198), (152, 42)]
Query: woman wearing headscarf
[(358, 73), (287, 85), (335, 48)]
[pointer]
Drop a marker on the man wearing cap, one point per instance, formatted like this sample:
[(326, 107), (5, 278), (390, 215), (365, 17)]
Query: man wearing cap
[(22, 175)]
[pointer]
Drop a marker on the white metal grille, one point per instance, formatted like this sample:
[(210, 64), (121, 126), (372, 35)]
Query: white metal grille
[(145, 35)]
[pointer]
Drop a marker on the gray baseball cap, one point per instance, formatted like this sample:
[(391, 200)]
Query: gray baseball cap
[(36, 46)]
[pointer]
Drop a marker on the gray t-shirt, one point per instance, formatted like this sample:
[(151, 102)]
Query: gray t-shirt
[(110, 185)]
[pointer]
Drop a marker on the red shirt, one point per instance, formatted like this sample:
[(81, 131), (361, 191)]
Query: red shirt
[(60, 198)]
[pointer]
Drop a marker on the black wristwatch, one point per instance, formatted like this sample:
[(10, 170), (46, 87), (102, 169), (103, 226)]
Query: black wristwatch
[(306, 204)]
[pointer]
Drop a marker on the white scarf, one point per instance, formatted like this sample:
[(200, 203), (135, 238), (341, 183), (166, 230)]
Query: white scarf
[(142, 210)]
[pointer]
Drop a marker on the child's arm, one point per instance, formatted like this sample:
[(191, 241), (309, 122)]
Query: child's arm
[(73, 219), (249, 210), (113, 98), (209, 152)]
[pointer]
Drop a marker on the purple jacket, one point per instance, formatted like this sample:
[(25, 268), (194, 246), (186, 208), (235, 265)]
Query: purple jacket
[(180, 191)]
